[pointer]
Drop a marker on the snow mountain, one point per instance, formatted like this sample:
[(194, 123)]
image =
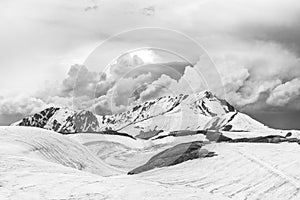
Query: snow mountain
[(200, 111)]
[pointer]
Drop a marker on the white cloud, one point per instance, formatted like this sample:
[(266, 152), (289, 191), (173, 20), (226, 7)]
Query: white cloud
[(251, 70), (285, 93), (21, 104)]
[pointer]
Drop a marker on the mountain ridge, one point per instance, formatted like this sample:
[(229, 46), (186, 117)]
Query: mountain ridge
[(202, 110)]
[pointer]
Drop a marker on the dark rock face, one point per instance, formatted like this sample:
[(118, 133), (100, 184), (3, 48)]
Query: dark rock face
[(112, 132), (72, 122), (267, 139), (39, 119), (219, 137), (83, 121), (215, 136), (148, 134), (183, 133), (175, 155), (227, 127)]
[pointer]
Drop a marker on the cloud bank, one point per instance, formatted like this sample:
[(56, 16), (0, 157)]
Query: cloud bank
[(254, 45)]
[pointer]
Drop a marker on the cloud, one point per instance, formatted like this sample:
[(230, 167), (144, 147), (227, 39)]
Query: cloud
[(105, 92), (102, 106), (42, 36), (20, 104), (158, 88), (149, 11), (88, 8), (251, 71), (25, 104), (125, 87), (80, 81), (254, 44), (125, 64), (285, 93)]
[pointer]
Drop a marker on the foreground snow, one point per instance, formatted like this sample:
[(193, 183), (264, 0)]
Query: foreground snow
[(27, 173), (28, 179), (240, 171), (40, 164), (52, 147)]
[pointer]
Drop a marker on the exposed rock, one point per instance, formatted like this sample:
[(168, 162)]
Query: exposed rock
[(38, 119), (111, 132), (148, 134), (82, 121), (62, 120), (227, 127), (219, 137), (181, 133), (175, 155), (184, 133), (268, 139), (215, 136)]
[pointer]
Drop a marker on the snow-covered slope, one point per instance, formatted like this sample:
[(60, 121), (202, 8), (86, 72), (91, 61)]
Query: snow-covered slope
[(29, 179), (199, 108), (235, 122), (39, 164), (240, 171), (52, 147), (88, 138), (170, 113)]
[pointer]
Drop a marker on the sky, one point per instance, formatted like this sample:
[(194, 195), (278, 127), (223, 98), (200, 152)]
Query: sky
[(67, 53)]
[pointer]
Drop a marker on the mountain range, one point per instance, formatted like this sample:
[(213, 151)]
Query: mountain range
[(200, 111)]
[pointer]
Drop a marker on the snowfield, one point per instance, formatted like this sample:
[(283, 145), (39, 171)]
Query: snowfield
[(240, 171), (52, 147), (28, 179), (40, 164)]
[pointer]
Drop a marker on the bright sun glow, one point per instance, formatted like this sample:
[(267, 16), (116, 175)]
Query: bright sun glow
[(148, 56)]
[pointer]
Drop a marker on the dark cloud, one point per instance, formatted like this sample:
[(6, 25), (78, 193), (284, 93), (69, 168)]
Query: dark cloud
[(288, 36), (89, 8)]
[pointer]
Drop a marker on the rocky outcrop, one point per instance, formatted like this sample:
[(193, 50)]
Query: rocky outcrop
[(181, 133), (38, 119), (149, 134), (80, 122), (175, 155), (215, 136), (111, 132), (268, 139), (62, 120)]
